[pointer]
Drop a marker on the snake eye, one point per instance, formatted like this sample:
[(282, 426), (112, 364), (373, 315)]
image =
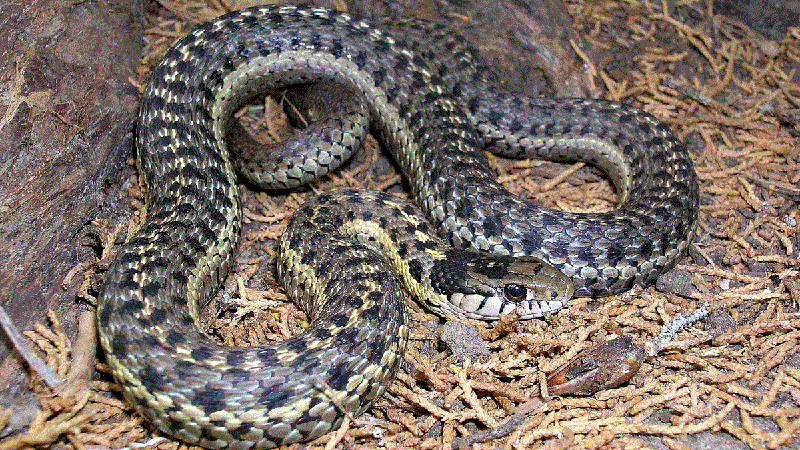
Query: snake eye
[(515, 292)]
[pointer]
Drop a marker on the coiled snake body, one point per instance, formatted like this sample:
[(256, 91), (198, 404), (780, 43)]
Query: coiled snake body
[(432, 107)]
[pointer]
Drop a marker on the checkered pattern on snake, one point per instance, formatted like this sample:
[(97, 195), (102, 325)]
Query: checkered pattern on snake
[(433, 109)]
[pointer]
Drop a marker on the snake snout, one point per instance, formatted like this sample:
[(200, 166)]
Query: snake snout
[(496, 285), (548, 289)]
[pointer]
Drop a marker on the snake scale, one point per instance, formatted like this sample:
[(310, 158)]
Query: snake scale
[(430, 102)]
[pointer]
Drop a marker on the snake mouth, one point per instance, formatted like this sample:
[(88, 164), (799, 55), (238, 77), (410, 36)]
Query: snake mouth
[(483, 307)]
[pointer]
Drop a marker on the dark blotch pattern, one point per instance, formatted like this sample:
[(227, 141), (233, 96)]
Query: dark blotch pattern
[(146, 321)]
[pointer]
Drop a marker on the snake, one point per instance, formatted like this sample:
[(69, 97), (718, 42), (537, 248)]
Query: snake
[(352, 258)]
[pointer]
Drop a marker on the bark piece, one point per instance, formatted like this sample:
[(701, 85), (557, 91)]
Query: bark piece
[(66, 113)]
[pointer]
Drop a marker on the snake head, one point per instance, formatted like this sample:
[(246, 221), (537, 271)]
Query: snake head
[(482, 286)]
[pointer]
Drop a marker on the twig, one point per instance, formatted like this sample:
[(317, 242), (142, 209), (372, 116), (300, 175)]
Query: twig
[(503, 430), (83, 354), (669, 330), (44, 432), (615, 361), (36, 364), (339, 434)]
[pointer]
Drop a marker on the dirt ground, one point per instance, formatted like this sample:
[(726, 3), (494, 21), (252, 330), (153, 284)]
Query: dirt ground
[(731, 381)]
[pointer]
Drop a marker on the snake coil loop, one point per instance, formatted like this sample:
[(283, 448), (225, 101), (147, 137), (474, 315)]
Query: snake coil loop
[(345, 254)]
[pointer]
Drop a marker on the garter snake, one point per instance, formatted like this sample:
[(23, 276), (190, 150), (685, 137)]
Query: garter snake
[(430, 102)]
